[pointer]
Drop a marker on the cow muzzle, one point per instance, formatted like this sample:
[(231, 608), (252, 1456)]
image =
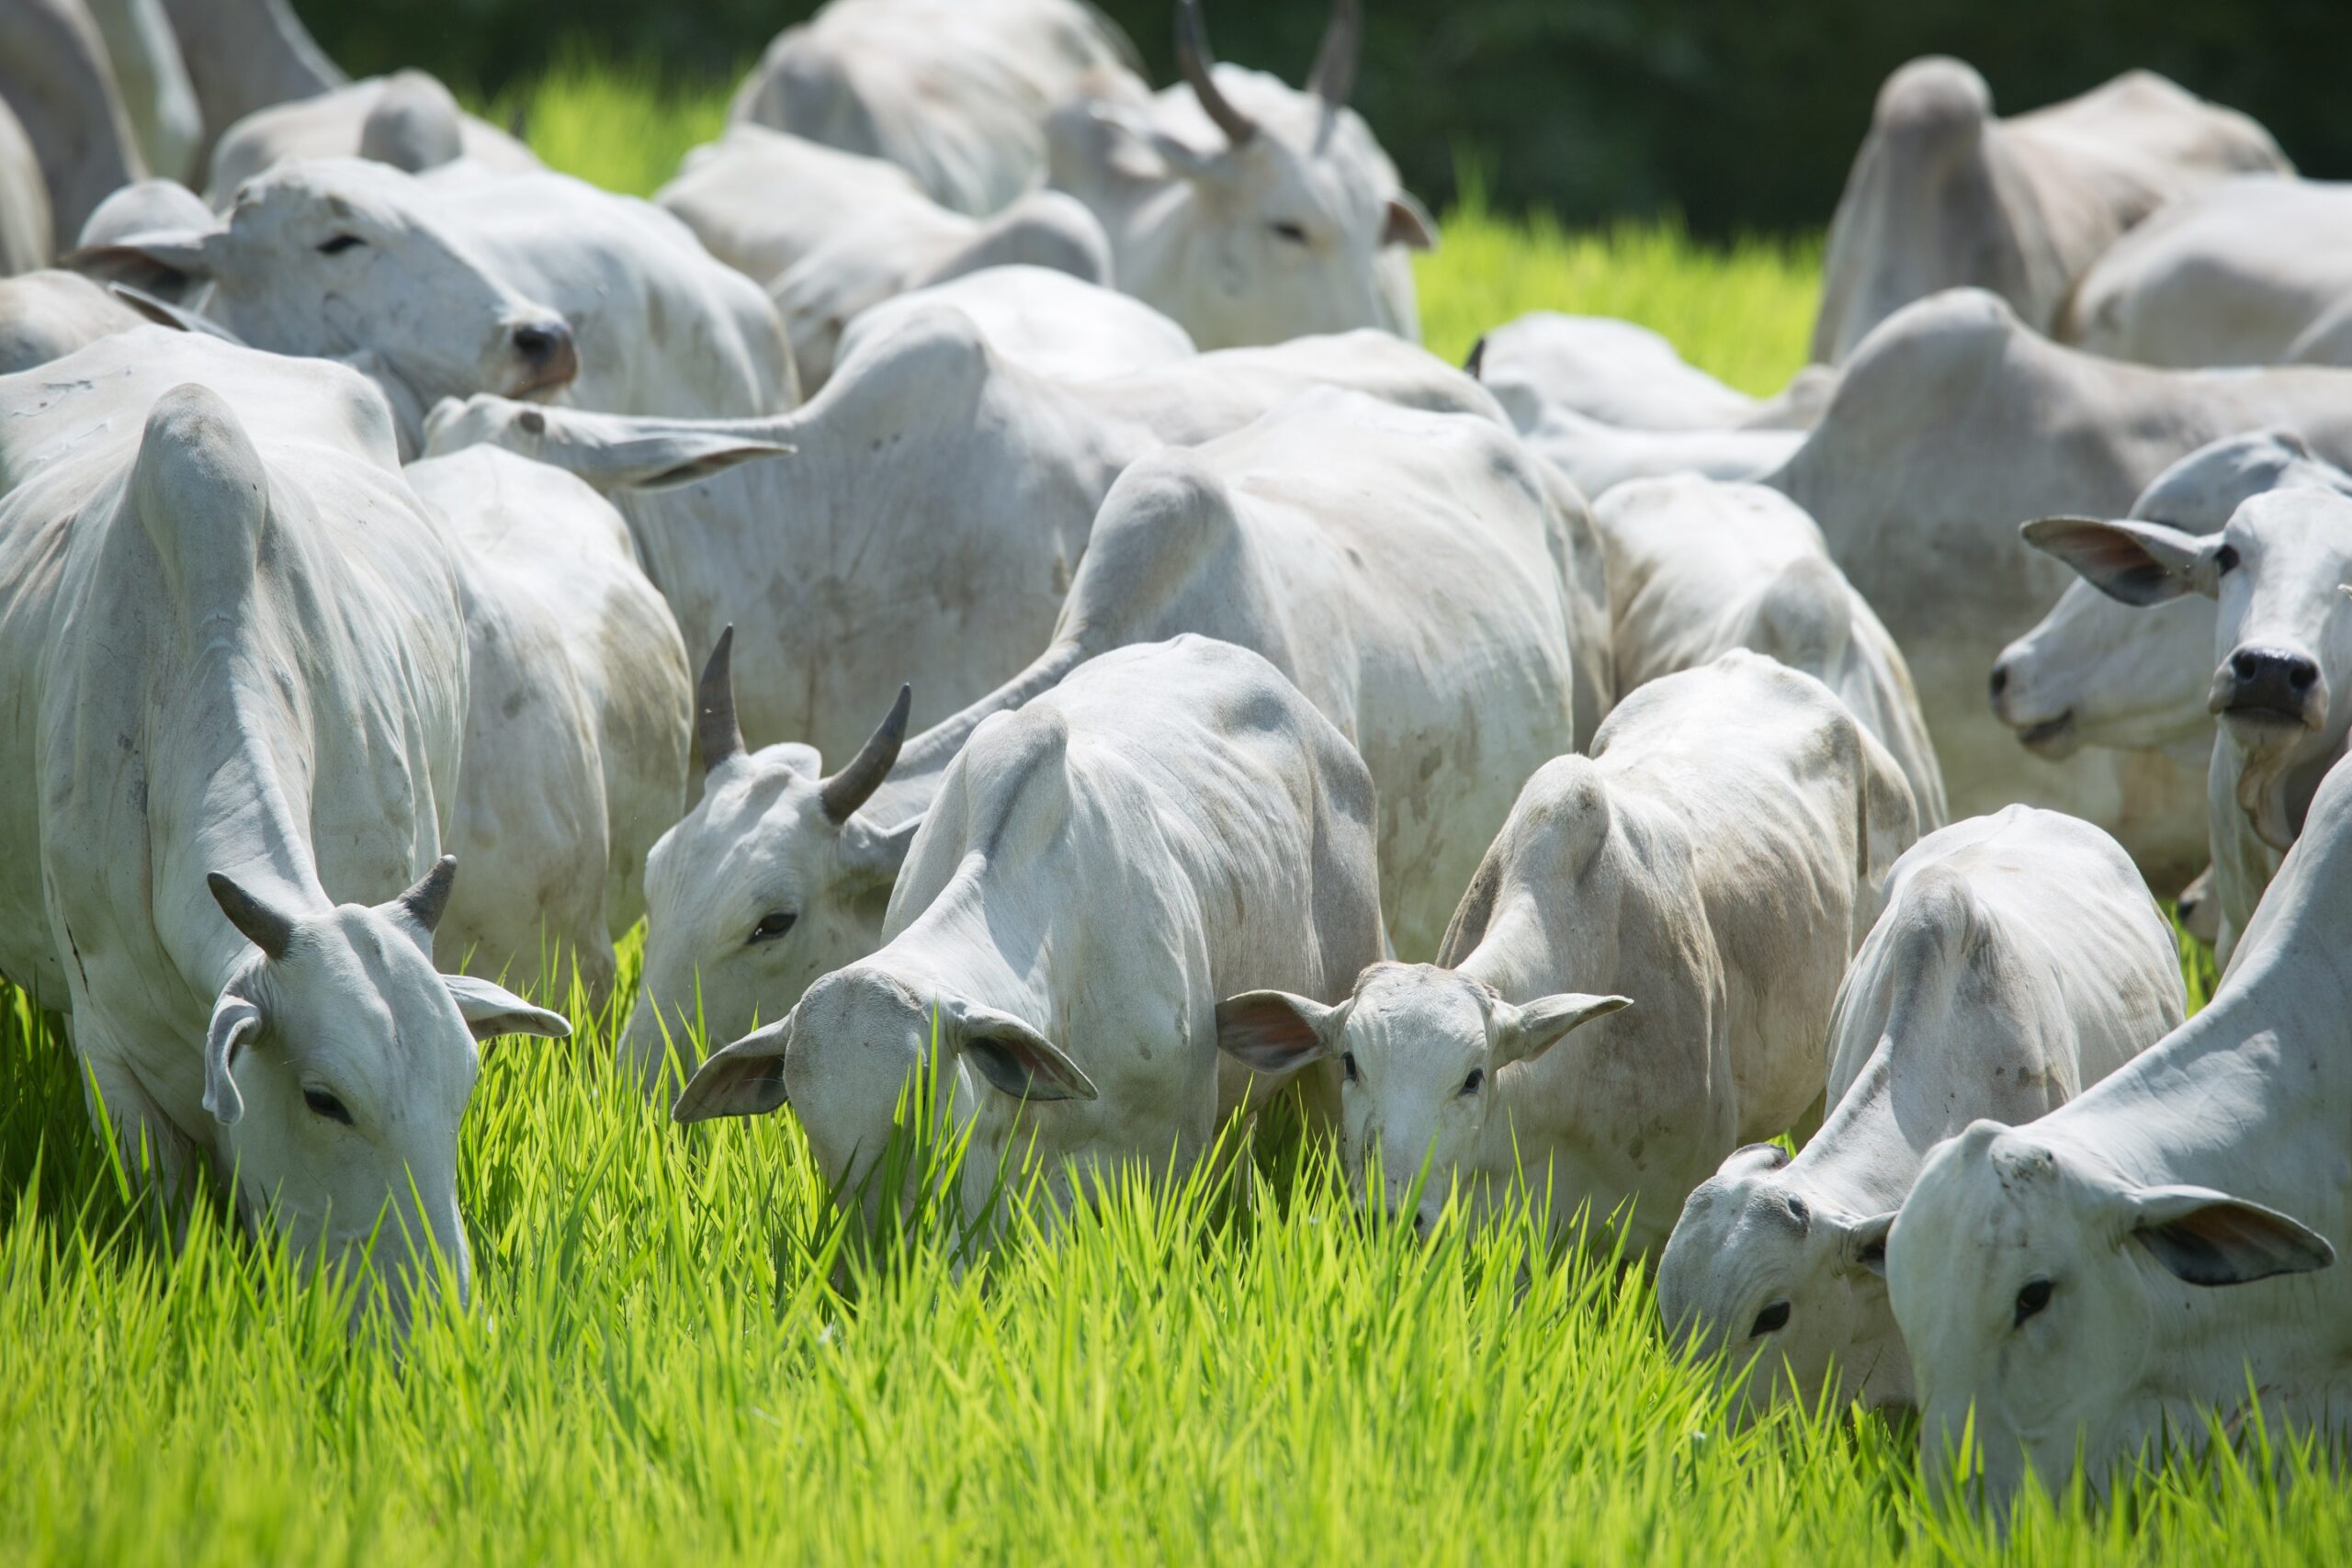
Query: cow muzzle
[(2048, 736), (2269, 687), (548, 356)]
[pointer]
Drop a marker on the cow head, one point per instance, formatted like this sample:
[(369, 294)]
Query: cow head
[(1756, 1270), (338, 1063), (339, 257), (1421, 1050), (2283, 637), (772, 879), (1249, 212), (2044, 1293), (847, 1057), (2098, 672)]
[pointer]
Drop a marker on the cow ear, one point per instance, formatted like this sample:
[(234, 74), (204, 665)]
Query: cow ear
[(1408, 223), (2210, 1238), (491, 1010), (236, 1021), (2135, 563), (1521, 1034), (641, 454), (744, 1080), (1273, 1031), (1862, 1244), (1014, 1057), (189, 255), (872, 856)]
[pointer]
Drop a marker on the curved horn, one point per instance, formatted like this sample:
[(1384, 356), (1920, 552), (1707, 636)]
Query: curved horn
[(1476, 366), (1192, 58), (426, 902), (716, 734), (1334, 76), (255, 920), (844, 793)]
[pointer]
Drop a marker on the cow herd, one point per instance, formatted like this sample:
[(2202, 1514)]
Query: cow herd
[(981, 566)]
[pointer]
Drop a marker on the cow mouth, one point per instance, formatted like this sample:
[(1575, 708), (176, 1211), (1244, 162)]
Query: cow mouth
[(2267, 713), (2051, 737)]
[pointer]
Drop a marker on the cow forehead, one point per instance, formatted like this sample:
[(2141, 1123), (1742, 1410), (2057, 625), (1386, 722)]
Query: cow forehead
[(1418, 1006)]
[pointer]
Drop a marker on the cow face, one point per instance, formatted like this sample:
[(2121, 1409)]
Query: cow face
[(2041, 1294), (334, 258), (1422, 1053), (772, 880), (2283, 634), (1247, 211), (339, 1065), (1753, 1270)]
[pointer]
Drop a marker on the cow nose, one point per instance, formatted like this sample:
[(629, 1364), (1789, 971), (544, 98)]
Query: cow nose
[(2272, 678), (547, 347), (2000, 680)]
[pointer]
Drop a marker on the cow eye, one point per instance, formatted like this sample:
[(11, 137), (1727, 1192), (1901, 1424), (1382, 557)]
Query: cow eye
[(1288, 231), (1348, 1065), (1478, 1077), (2225, 559), (322, 1103), (2033, 1296), (772, 924), (1771, 1320), (336, 245)]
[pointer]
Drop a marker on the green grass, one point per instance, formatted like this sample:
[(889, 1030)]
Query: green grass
[(660, 1369)]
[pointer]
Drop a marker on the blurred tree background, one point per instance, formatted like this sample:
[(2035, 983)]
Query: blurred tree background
[(1739, 117)]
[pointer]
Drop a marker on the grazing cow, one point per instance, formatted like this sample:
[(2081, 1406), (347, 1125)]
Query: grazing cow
[(1246, 209), (55, 76), (2233, 274), (2101, 1280), (1074, 905), (2020, 961), (935, 504), (1952, 426), (233, 666), (956, 92), (48, 314), (166, 126), (244, 55), (26, 239), (1697, 568), (578, 697), (450, 285), (1716, 858), (1428, 586), (1041, 319), (407, 119), (2282, 642), (1944, 195), (1617, 373)]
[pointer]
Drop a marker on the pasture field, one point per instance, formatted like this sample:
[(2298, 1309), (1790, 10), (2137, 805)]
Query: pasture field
[(659, 1368)]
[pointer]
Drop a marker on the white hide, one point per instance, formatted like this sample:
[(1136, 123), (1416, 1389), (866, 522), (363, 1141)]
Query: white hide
[(2141, 1257), (27, 237), (1944, 195), (48, 314), (244, 55), (1697, 568), (2020, 961), (1041, 319), (57, 81), (1715, 860), (157, 97), (1171, 824), (1605, 369), (956, 92), (407, 119)]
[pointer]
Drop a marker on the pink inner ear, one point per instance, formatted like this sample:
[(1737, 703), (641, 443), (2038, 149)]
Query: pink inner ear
[(1265, 1033)]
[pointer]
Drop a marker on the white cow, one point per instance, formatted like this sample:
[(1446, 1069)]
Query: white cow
[(444, 286), (142, 206), (28, 240), (1697, 568), (935, 504), (956, 92), (1622, 374), (1247, 211), (2282, 648), (2020, 961), (1072, 909), (48, 314), (1716, 860), (407, 119), (576, 723), (1952, 426), (1041, 319), (1428, 586), (244, 55), (2150, 1253), (1944, 195), (2233, 274), (165, 123), (1599, 458), (232, 663), (55, 76)]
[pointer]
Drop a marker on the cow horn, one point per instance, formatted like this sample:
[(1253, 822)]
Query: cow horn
[(426, 902), (1335, 63), (255, 920), (1476, 366), (1192, 58), (715, 733), (841, 794)]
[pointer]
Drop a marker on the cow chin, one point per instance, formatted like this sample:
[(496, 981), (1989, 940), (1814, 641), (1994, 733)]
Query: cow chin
[(2269, 748), (2055, 738)]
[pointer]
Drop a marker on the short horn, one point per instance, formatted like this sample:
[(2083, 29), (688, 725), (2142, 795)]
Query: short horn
[(1192, 58), (844, 793), (1335, 63), (716, 733), (255, 920), (1476, 366), (427, 901)]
